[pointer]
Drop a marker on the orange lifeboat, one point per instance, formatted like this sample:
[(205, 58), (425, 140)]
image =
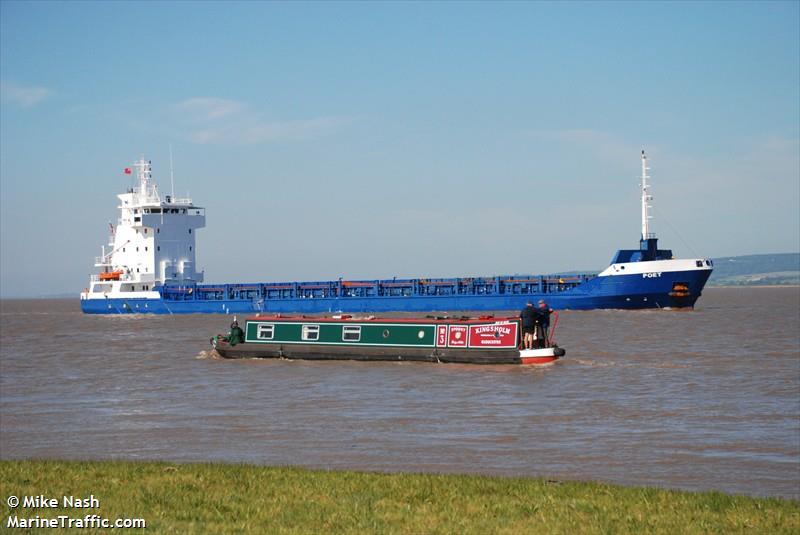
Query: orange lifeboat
[(110, 276)]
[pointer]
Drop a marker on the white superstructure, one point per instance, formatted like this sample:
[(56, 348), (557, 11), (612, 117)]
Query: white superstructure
[(153, 243)]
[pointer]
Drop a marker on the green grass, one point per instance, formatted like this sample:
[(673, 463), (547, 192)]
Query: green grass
[(234, 498)]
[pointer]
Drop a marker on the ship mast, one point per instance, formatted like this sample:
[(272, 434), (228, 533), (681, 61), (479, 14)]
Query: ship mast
[(147, 189), (646, 197), (143, 174)]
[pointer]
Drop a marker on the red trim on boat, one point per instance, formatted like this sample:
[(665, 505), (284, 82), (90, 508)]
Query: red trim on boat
[(431, 321), (539, 360)]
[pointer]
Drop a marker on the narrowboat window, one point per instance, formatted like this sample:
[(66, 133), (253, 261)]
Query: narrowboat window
[(310, 332), (265, 331), (421, 335), (351, 333), (386, 333)]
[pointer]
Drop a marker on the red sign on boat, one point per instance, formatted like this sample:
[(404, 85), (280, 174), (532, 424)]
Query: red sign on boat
[(494, 335), (441, 336), (458, 336)]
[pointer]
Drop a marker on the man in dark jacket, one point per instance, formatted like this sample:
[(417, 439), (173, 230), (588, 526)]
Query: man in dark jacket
[(528, 316), (542, 323), (237, 334)]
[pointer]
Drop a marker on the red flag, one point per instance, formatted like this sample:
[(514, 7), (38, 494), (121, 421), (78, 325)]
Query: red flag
[(128, 170)]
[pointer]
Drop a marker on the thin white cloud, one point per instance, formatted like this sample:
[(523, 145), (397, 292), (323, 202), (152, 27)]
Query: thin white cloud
[(605, 144), (212, 120), (210, 108), (254, 132), (24, 96)]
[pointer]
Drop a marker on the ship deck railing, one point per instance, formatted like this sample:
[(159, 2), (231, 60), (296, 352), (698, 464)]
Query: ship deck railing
[(505, 285)]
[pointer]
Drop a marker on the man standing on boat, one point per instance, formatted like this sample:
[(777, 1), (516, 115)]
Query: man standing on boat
[(528, 316), (542, 323), (236, 335)]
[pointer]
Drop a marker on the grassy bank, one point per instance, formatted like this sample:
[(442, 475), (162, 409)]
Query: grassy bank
[(230, 498)]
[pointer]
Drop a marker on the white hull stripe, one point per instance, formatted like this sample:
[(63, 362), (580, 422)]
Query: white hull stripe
[(656, 266)]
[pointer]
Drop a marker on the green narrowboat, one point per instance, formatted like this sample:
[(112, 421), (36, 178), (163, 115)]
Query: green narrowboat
[(484, 340)]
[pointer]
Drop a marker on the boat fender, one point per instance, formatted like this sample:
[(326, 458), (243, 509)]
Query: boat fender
[(559, 352)]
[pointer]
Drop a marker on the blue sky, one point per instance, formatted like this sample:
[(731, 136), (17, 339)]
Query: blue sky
[(399, 139)]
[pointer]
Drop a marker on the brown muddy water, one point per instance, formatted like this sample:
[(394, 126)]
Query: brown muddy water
[(703, 399)]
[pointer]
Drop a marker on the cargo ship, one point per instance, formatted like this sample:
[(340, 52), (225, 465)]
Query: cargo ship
[(149, 267)]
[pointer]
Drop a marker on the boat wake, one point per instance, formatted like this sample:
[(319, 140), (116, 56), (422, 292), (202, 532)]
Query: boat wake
[(210, 354)]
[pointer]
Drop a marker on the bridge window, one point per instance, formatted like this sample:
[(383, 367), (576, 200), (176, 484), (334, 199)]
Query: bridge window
[(311, 332), (266, 331), (351, 333)]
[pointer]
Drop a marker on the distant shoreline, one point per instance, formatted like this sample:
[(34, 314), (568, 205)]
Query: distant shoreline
[(752, 286)]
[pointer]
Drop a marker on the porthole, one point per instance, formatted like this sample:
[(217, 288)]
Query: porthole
[(386, 333), (421, 335), (497, 334)]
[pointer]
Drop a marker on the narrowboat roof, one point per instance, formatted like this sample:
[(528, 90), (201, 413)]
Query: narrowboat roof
[(346, 318)]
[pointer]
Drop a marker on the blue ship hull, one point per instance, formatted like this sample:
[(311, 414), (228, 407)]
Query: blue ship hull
[(611, 292)]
